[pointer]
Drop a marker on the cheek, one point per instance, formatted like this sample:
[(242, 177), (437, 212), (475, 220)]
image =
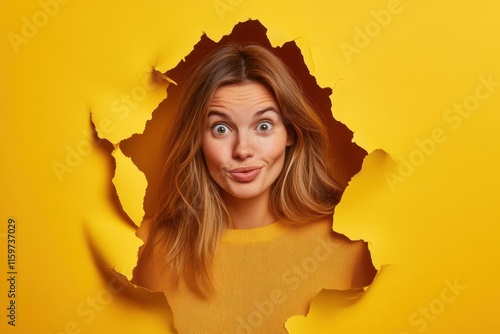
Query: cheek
[(276, 149), (275, 154), (212, 154)]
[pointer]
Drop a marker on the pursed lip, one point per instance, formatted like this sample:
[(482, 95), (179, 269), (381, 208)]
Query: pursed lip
[(245, 174)]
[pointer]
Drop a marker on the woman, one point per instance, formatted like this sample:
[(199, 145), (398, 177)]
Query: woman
[(242, 237)]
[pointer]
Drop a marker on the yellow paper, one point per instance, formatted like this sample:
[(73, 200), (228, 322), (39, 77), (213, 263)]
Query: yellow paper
[(417, 80)]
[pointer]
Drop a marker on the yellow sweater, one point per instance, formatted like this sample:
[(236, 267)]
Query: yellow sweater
[(265, 275)]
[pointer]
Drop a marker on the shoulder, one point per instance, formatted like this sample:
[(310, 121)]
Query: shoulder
[(349, 258)]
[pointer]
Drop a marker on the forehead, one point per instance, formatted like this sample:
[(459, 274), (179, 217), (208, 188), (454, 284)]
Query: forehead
[(242, 95)]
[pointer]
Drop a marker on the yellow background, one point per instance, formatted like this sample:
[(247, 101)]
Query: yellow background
[(435, 225)]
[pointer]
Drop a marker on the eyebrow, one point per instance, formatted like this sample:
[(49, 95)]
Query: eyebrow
[(226, 116)]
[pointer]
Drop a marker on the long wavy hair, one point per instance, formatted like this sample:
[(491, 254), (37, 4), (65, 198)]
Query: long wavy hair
[(191, 216)]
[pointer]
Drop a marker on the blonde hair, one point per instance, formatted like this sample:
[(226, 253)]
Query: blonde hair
[(191, 216)]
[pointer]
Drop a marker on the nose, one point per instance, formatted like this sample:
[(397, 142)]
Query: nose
[(243, 146)]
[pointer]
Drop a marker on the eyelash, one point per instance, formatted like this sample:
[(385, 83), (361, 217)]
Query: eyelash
[(217, 125), (266, 122), (214, 127)]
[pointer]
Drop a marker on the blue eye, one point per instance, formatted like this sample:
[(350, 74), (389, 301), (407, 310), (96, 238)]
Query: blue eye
[(264, 126), (220, 129)]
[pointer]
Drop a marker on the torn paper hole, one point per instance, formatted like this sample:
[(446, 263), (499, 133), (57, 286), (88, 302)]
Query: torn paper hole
[(131, 194), (127, 111), (145, 149)]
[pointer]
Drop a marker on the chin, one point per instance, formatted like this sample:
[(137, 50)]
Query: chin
[(243, 194)]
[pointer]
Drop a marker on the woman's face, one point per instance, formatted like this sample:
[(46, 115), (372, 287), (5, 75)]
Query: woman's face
[(245, 140)]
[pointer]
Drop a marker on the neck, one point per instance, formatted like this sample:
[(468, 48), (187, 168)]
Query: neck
[(249, 212)]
